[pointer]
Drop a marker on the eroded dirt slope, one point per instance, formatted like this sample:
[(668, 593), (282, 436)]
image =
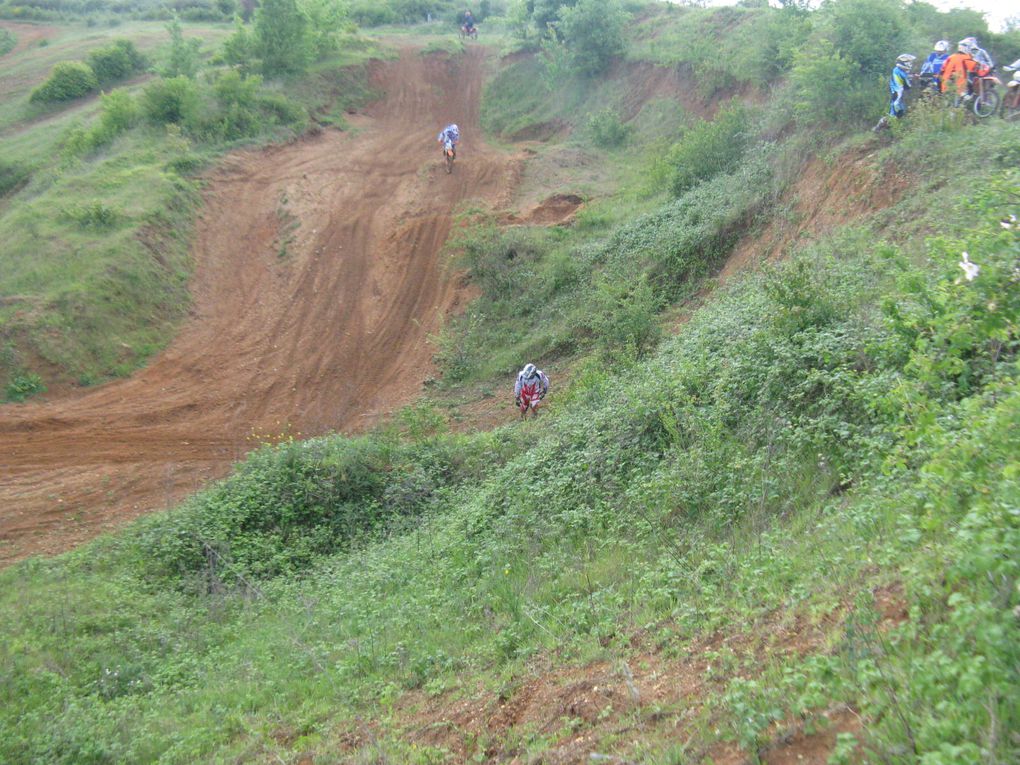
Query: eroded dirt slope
[(318, 281)]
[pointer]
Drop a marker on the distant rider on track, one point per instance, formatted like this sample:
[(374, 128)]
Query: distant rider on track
[(449, 137), (531, 387)]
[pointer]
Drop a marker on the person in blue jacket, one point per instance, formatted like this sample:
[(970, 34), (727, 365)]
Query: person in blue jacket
[(931, 69), (899, 84)]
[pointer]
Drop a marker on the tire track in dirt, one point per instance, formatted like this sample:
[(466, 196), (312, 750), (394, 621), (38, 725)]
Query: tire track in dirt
[(318, 281)]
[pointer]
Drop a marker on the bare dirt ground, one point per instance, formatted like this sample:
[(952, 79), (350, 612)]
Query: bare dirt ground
[(318, 281)]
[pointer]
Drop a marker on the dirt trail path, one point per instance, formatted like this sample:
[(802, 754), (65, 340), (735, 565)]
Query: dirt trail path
[(318, 280)]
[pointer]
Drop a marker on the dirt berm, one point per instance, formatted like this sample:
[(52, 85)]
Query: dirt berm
[(318, 281)]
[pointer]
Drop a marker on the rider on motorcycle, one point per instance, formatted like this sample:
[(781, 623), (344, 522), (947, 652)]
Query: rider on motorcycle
[(931, 69), (469, 22), (533, 383), (449, 136), (985, 64), (899, 84), (958, 67)]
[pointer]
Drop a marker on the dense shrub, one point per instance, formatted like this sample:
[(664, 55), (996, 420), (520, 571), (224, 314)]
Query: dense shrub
[(828, 88), (282, 41), (593, 33), (68, 80), (116, 61), (710, 148), (183, 58), (606, 129), (869, 33), (173, 100), (369, 13)]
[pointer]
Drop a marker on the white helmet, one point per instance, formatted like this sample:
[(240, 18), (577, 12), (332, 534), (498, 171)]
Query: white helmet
[(971, 41), (1015, 82), (963, 46), (906, 60), (942, 46), (529, 371)]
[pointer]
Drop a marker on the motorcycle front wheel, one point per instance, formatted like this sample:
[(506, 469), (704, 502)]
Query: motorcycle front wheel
[(986, 104)]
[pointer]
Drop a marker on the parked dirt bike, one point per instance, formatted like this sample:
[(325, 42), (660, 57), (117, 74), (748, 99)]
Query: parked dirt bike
[(472, 32), (1011, 101), (530, 398), (986, 97), (449, 154)]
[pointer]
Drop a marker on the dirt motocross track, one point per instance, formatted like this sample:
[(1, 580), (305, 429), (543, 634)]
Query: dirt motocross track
[(318, 281)]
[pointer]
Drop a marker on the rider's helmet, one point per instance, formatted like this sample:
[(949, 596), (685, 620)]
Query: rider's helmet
[(529, 371), (963, 46), (942, 46), (905, 60)]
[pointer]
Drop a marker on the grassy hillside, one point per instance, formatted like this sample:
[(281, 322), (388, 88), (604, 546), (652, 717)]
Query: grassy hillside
[(99, 193), (785, 525)]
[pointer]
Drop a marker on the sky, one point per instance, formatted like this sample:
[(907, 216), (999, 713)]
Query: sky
[(996, 11)]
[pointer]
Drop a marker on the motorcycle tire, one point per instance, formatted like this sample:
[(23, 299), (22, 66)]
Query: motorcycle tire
[(986, 104)]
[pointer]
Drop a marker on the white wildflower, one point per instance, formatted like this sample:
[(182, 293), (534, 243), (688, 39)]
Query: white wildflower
[(1008, 223), (970, 270)]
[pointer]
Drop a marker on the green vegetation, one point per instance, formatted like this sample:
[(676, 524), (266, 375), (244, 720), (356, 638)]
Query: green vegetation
[(7, 41), (99, 287), (68, 80), (804, 501)]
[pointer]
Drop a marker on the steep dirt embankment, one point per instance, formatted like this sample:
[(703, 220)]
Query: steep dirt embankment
[(318, 281)]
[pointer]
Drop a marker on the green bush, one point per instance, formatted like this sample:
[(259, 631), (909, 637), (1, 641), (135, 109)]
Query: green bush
[(68, 80), (183, 58), (174, 100), (22, 385), (606, 129), (593, 33), (7, 41), (116, 62), (282, 40), (711, 148), (869, 33), (370, 13), (94, 215), (828, 88)]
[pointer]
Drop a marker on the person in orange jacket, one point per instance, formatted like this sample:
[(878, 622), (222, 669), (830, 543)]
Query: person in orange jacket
[(958, 67)]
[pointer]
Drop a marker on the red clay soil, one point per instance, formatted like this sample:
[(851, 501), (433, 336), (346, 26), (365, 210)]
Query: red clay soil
[(26, 35), (318, 282)]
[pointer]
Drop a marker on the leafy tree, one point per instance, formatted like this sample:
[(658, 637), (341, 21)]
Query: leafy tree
[(282, 39), (593, 32), (183, 60), (869, 33), (828, 86), (239, 48), (327, 20)]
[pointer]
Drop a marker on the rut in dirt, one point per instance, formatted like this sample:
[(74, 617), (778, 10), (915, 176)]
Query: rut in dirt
[(319, 279)]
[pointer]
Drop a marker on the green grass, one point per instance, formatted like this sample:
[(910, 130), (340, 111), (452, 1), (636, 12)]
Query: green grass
[(728, 505), (769, 461), (97, 219)]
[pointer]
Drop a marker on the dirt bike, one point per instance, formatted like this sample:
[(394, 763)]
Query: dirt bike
[(471, 33), (1011, 101), (449, 154), (986, 97), (529, 399)]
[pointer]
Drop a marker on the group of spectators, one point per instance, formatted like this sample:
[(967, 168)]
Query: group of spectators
[(943, 72)]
